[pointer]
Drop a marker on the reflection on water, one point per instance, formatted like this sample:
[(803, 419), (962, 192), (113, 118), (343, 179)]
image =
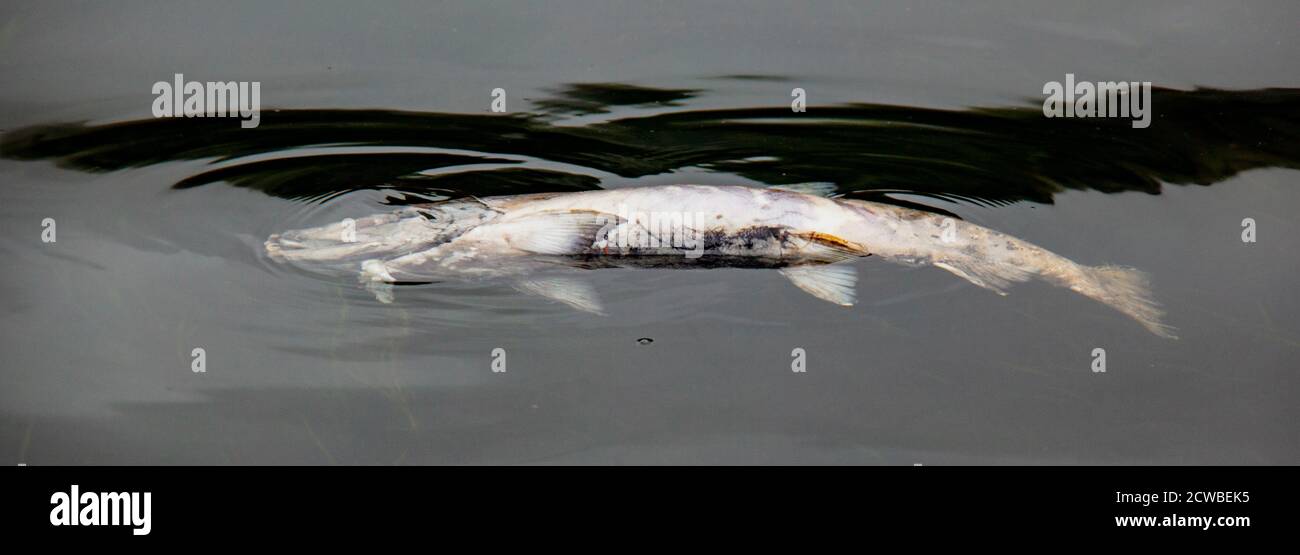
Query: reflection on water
[(992, 156)]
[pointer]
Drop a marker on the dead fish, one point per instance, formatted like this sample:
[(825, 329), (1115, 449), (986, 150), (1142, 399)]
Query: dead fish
[(808, 238)]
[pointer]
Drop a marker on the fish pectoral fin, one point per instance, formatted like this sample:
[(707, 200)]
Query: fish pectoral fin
[(557, 232), (836, 283), (383, 292), (829, 248), (573, 292)]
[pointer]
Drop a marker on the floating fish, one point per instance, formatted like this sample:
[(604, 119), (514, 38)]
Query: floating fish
[(537, 240)]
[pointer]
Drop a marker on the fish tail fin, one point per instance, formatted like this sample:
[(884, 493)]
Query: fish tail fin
[(1124, 289), (994, 260), (1127, 290)]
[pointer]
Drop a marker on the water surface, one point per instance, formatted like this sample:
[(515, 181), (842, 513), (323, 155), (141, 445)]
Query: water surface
[(160, 225)]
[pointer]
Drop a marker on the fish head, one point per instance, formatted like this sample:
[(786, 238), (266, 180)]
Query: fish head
[(403, 231)]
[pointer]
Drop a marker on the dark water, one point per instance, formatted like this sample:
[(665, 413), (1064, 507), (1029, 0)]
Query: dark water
[(935, 105)]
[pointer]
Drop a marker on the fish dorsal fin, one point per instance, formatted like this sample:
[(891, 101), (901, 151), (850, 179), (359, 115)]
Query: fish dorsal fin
[(571, 291), (836, 283), (558, 232)]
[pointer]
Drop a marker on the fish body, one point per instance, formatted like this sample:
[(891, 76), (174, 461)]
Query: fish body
[(808, 238)]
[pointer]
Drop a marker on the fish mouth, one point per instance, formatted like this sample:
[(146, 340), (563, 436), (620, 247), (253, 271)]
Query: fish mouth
[(351, 240), (282, 247), (293, 247), (403, 231)]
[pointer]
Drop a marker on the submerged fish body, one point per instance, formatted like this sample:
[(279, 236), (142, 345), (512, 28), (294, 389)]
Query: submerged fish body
[(809, 238)]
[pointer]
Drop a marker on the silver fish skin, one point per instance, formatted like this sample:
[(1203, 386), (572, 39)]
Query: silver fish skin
[(808, 238)]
